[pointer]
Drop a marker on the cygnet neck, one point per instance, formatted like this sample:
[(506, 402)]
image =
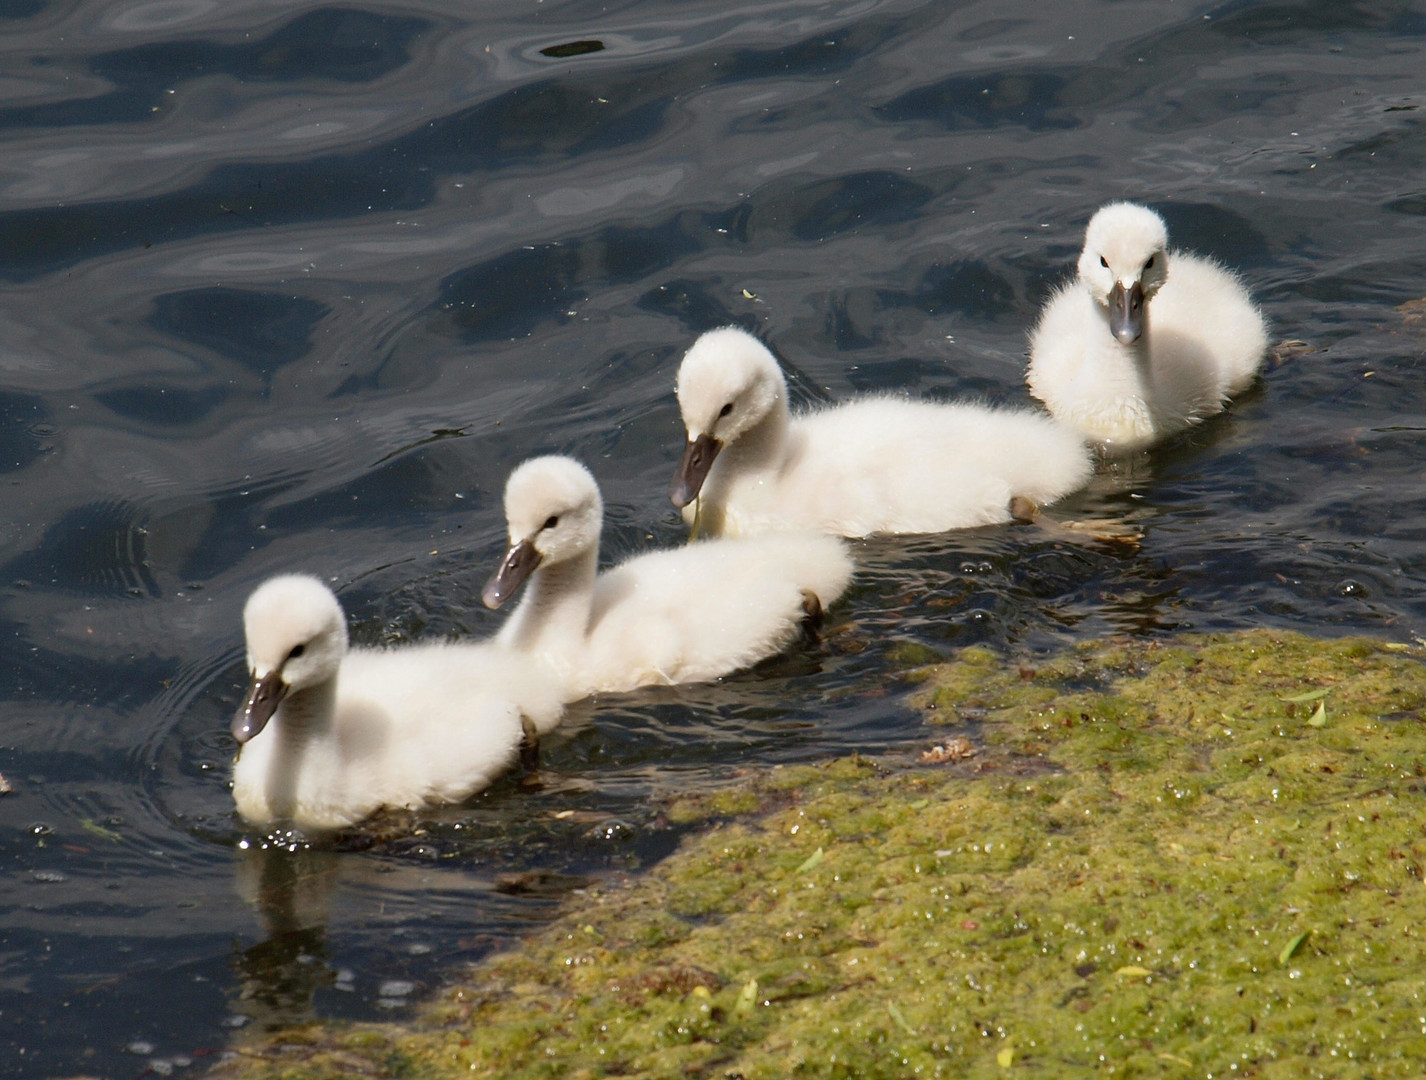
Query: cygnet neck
[(763, 445), (554, 614), (303, 718), (305, 714)]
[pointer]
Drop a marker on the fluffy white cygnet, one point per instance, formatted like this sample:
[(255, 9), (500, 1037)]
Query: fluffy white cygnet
[(329, 734), (876, 465), (682, 615), (1145, 341)]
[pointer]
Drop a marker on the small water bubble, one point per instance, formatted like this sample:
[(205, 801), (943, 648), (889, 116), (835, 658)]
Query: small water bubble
[(141, 1047), (40, 828), (613, 830), (1351, 587), (418, 949), (160, 1067), (49, 877)]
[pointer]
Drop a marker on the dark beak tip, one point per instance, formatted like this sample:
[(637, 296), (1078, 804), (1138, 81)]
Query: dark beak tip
[(1126, 319), (245, 725), (519, 563), (678, 492), (698, 458), (264, 696)]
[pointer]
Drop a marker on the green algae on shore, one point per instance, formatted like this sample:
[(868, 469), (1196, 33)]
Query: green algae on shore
[(1195, 858)]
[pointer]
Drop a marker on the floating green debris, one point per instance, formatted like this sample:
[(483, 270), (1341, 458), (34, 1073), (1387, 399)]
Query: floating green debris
[(1291, 947), (1319, 716), (748, 996), (1311, 695), (96, 829), (900, 1018), (811, 862)]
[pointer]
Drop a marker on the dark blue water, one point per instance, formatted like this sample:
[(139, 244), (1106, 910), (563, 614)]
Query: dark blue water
[(294, 287)]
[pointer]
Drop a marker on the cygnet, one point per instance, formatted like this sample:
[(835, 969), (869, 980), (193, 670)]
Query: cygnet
[(682, 615), (875, 465), (328, 735), (1145, 341)]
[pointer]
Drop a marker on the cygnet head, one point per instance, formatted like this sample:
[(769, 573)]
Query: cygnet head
[(1124, 263), (728, 382), (297, 636), (553, 507)]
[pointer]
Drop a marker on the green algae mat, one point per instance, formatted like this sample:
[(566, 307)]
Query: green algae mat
[(1200, 857)]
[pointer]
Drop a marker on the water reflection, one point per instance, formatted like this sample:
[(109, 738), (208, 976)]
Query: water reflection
[(291, 891)]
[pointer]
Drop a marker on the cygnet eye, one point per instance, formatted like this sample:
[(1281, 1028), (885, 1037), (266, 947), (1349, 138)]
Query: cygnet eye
[(1150, 263), (1104, 262), (551, 521), (725, 410), (297, 650)]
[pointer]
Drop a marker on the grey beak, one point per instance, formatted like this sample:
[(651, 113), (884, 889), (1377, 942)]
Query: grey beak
[(698, 458), (264, 696), (519, 563), (1126, 312)]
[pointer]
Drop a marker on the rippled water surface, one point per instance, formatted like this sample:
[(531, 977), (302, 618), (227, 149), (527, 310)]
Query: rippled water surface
[(293, 286)]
